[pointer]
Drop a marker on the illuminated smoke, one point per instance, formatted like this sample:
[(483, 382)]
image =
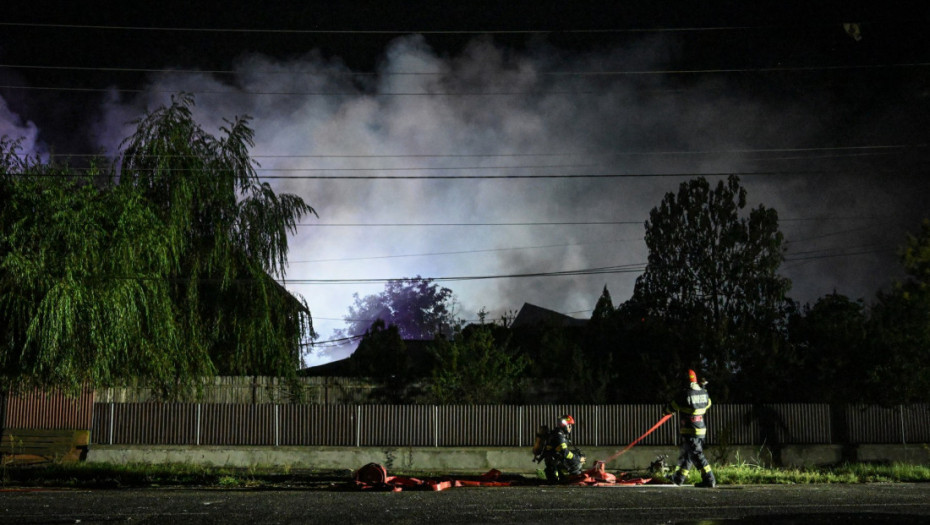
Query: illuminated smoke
[(489, 107), (13, 127)]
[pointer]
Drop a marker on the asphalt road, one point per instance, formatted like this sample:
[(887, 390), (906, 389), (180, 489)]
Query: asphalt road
[(777, 504)]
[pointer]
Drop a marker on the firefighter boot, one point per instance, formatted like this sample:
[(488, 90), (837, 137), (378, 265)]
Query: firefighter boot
[(552, 476), (708, 480), (679, 477)]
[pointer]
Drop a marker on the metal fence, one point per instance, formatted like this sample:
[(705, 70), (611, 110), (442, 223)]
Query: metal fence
[(46, 410), (492, 425)]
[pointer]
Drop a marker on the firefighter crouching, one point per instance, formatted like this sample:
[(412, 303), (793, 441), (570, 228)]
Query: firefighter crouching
[(691, 405), (555, 449)]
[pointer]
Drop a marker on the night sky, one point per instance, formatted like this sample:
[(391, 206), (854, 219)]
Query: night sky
[(415, 114)]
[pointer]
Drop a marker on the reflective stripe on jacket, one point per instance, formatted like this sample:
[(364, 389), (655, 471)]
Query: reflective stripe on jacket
[(559, 446), (691, 406)]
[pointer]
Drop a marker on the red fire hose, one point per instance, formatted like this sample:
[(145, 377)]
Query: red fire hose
[(375, 477), (640, 438)]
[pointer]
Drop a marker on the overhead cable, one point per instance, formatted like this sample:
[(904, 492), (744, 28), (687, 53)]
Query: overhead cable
[(97, 27), (570, 73)]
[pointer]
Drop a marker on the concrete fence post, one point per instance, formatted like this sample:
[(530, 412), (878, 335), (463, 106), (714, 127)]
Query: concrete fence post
[(435, 426), (112, 416), (197, 429), (358, 425)]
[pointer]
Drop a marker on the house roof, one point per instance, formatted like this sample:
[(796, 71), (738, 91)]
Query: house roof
[(419, 360), (340, 368), (532, 315)]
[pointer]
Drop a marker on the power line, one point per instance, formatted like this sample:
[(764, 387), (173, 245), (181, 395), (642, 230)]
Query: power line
[(460, 252), (853, 151), (455, 177), (790, 242), (433, 168), (537, 176), (540, 92), (616, 269), (630, 268), (561, 245), (456, 224), (830, 252), (229, 92), (810, 258), (97, 27), (331, 341), (578, 73), (567, 176), (794, 255), (550, 223), (397, 155), (834, 218)]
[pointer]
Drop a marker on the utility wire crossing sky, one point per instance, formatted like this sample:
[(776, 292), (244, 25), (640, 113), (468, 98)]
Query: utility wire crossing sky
[(512, 154)]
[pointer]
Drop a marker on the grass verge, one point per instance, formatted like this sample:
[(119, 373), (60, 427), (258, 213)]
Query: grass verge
[(844, 473), (136, 475)]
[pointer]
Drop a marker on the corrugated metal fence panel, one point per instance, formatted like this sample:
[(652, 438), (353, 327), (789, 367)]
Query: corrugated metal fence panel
[(100, 431), (728, 424), (154, 423), (397, 425), (49, 410), (536, 415), (917, 423), (584, 433), (478, 425), (794, 423), (326, 425), (226, 424), (873, 424), (620, 425), (485, 425)]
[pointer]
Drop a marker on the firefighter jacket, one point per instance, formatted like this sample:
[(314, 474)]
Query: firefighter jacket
[(559, 447), (691, 405)]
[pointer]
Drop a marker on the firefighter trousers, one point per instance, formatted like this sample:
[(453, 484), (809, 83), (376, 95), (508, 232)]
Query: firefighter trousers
[(691, 452)]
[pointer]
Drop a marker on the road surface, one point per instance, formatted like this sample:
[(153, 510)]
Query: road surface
[(776, 504)]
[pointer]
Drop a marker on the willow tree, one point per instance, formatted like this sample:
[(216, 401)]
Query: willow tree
[(83, 294), (230, 230), (711, 278), (161, 271)]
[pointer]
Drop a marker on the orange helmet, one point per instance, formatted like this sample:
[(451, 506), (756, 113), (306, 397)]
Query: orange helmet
[(566, 420), (692, 376)]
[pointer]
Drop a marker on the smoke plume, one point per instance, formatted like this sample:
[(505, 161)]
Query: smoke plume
[(491, 110)]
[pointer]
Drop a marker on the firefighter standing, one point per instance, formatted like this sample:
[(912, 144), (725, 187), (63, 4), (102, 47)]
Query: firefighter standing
[(691, 405), (562, 459)]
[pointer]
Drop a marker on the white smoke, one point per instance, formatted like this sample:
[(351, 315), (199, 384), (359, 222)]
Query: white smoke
[(14, 128), (496, 111)]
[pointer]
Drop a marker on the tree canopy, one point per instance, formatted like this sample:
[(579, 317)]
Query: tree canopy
[(474, 368), (712, 274), (830, 337), (159, 269), (899, 329), (418, 307)]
